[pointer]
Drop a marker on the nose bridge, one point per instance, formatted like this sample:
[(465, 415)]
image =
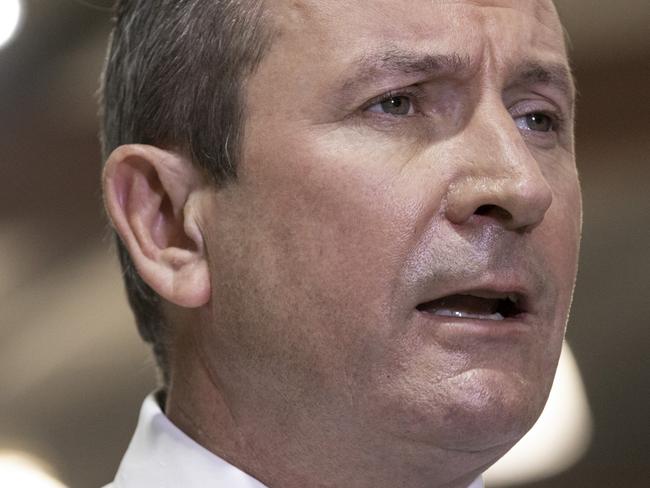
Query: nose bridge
[(505, 153), (501, 178)]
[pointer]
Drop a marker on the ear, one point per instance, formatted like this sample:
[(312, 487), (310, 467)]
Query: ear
[(152, 198)]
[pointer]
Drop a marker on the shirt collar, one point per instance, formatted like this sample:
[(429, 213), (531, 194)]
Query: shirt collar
[(478, 483), (161, 455)]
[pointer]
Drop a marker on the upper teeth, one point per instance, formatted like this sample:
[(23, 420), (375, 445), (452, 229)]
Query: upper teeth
[(446, 312)]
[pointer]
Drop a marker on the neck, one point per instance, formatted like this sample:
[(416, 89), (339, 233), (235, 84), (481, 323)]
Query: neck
[(285, 446)]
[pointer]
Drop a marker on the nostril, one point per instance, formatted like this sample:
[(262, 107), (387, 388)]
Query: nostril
[(495, 211), (484, 209)]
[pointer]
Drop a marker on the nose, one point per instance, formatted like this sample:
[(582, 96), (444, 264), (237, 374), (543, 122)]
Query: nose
[(499, 178)]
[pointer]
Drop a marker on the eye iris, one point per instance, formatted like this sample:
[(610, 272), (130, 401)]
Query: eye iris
[(396, 106), (539, 122)]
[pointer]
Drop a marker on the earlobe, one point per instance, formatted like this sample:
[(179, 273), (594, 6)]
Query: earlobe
[(152, 197)]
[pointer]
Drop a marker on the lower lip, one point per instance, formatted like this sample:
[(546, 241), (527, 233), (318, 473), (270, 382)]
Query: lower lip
[(471, 328)]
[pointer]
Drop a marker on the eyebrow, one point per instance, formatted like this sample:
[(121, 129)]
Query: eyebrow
[(371, 65), (394, 61), (552, 74)]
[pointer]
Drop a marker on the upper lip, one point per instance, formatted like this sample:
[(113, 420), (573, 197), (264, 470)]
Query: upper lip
[(521, 295)]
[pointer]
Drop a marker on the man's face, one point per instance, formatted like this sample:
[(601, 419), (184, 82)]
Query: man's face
[(407, 175)]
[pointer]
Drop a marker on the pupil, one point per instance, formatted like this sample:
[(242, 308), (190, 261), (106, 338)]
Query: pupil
[(539, 122), (396, 106)]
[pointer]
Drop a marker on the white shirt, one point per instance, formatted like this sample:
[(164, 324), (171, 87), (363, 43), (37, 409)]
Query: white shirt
[(160, 455)]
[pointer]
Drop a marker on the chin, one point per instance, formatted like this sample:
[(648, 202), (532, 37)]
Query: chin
[(478, 410), (491, 408)]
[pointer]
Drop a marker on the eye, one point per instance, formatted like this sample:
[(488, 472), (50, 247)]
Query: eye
[(398, 105), (536, 121)]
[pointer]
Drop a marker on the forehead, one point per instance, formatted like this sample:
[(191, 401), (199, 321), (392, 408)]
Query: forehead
[(335, 31)]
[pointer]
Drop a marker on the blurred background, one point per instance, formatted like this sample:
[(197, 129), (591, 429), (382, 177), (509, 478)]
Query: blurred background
[(73, 371)]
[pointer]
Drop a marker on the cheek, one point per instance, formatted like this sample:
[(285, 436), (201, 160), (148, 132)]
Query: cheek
[(328, 226), (558, 240), (560, 232), (335, 209)]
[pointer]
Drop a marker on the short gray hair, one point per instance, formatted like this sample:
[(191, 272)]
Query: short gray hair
[(174, 77)]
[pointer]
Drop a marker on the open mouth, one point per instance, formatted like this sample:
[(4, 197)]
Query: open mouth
[(471, 306)]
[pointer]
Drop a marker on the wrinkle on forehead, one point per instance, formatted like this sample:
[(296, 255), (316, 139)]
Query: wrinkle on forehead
[(328, 35), (543, 11), (299, 13), (540, 8)]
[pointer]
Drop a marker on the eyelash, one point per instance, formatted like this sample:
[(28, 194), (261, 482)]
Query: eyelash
[(415, 94)]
